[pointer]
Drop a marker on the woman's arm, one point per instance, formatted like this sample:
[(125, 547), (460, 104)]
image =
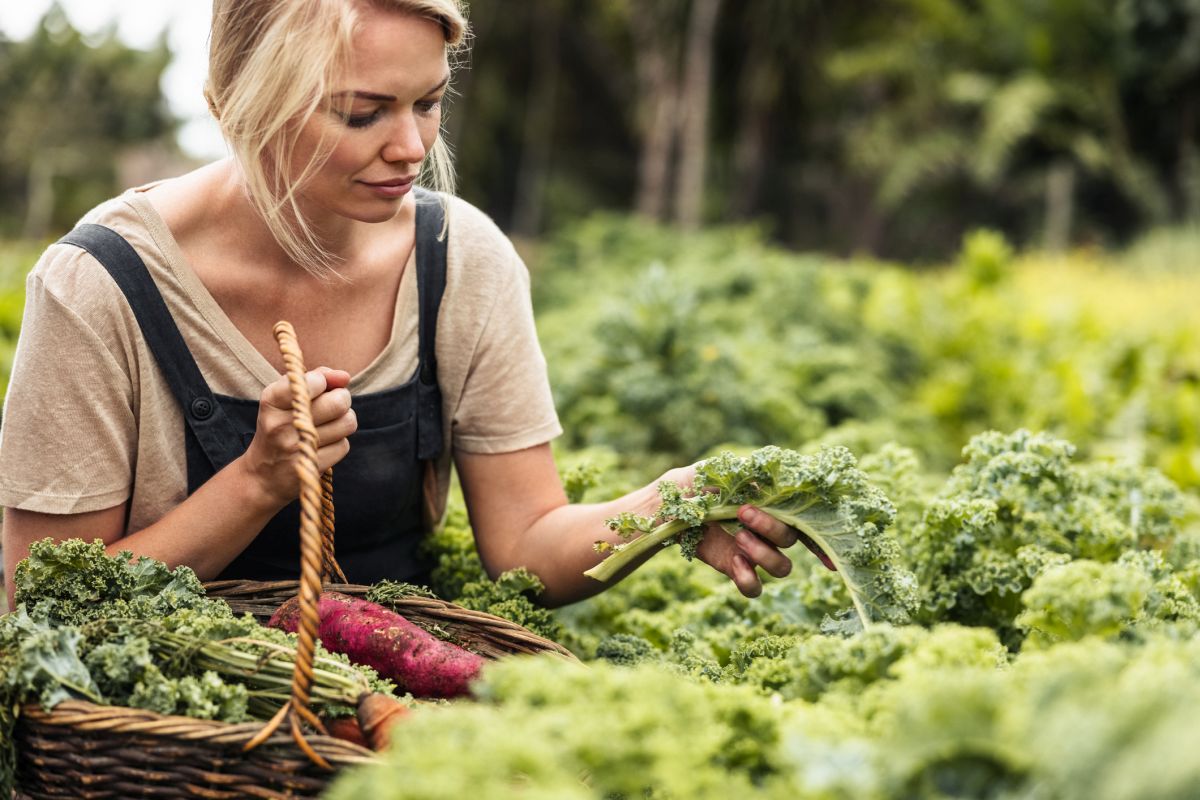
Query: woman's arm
[(211, 527), (521, 517), (205, 532)]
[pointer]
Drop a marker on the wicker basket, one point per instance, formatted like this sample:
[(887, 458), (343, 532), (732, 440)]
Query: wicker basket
[(489, 636), (86, 751)]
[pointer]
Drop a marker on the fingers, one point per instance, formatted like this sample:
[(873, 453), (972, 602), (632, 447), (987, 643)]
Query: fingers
[(763, 554), (719, 550), (337, 429), (331, 454), (767, 526), (818, 552), (279, 394), (319, 381), (779, 534), (332, 405), (271, 455), (335, 378), (744, 577)]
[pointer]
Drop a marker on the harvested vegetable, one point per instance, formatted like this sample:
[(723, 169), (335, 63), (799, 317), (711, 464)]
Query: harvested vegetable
[(347, 729), (119, 631), (397, 649), (824, 496), (377, 714)]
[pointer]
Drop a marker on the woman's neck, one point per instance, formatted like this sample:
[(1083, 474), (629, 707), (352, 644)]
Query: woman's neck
[(347, 241)]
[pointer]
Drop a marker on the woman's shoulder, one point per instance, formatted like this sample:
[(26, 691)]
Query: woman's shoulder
[(67, 270), (474, 234)]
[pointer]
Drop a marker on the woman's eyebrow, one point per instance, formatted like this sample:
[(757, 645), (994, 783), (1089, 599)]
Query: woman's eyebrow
[(365, 95), (386, 98)]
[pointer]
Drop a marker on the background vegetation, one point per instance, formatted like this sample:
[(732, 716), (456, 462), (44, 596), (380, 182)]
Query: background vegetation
[(888, 127)]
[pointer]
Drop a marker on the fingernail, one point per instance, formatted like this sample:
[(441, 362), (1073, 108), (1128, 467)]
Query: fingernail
[(742, 538), (746, 514)]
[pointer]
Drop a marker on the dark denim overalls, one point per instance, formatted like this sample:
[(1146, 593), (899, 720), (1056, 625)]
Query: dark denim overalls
[(377, 487)]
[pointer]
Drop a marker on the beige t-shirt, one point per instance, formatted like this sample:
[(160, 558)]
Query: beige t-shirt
[(89, 421)]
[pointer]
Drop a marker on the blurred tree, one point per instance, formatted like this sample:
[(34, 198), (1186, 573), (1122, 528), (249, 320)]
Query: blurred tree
[(888, 127), (695, 89), (70, 105), (1008, 100), (1161, 51)]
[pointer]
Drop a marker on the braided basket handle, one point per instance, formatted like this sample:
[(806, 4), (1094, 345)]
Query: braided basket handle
[(317, 562)]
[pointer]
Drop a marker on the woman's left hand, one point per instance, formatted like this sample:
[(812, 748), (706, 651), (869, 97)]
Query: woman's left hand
[(760, 544)]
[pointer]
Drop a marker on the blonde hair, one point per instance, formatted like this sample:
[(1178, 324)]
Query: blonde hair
[(273, 63)]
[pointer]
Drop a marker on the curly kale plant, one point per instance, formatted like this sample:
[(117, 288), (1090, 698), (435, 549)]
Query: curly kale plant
[(824, 496), (73, 582), (1019, 506)]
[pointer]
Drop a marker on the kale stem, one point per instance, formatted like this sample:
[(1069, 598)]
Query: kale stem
[(619, 559)]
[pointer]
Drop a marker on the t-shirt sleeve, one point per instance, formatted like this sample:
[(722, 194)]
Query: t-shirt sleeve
[(506, 403), (69, 430)]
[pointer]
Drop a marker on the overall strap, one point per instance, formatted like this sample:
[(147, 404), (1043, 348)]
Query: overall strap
[(215, 433), (431, 284)]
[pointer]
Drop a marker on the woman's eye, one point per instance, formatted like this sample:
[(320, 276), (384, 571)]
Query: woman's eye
[(360, 120), (428, 106)]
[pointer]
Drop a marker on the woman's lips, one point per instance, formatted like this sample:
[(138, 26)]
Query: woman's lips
[(395, 187)]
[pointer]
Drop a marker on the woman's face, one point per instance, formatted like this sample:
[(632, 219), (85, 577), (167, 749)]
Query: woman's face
[(382, 119)]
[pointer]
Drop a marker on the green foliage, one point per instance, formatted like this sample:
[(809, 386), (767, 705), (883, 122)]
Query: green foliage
[(1136, 595), (1019, 506), (986, 257), (826, 352), (625, 649), (982, 104), (895, 713), (588, 732), (74, 582), (451, 548), (808, 668), (513, 595), (458, 576)]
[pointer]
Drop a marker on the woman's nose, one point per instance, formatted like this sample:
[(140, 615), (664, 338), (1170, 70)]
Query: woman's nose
[(404, 141)]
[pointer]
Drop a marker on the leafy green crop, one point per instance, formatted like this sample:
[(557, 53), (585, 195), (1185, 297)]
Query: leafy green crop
[(1020, 506), (888, 714), (72, 582), (825, 496), (584, 732), (117, 631)]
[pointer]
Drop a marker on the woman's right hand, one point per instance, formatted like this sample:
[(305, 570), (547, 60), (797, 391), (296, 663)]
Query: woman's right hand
[(271, 457)]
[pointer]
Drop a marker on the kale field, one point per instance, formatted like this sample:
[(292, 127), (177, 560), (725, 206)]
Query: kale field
[(1002, 454)]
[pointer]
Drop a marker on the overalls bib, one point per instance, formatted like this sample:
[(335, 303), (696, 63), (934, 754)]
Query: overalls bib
[(377, 488)]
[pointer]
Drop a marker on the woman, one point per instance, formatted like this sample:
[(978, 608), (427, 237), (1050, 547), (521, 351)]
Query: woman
[(162, 426)]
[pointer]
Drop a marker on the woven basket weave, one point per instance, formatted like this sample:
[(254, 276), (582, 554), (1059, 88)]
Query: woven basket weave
[(86, 751), (489, 636)]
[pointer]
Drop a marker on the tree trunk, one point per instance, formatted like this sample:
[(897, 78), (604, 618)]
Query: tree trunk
[(538, 137), (39, 195), (1060, 206), (658, 79), (693, 127), (760, 88), (480, 20), (1189, 163)]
